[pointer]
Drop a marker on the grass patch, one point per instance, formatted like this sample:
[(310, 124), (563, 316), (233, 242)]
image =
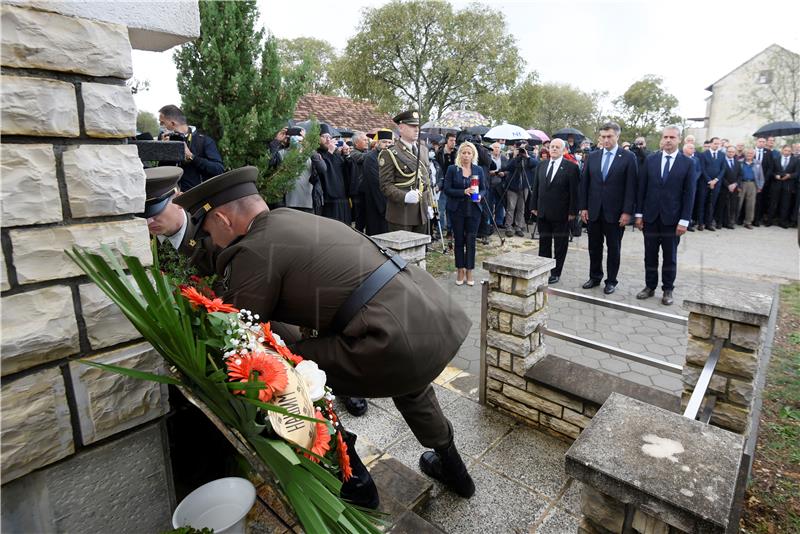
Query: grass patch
[(772, 503), (439, 264)]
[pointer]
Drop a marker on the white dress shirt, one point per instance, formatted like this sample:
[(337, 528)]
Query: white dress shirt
[(177, 238), (555, 163)]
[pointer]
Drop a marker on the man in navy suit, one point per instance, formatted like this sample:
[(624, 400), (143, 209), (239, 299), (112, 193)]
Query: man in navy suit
[(607, 193), (664, 207), (555, 203), (713, 165)]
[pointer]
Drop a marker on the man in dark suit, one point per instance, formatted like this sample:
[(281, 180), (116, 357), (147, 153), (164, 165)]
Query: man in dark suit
[(664, 207), (607, 196), (713, 165), (555, 201), (728, 203), (785, 171), (690, 152), (201, 159), (764, 157)]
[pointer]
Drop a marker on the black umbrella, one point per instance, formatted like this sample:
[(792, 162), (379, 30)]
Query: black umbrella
[(432, 137), (564, 132), (306, 125), (776, 129), (477, 130)]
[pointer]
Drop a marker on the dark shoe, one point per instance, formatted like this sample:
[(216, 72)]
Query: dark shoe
[(666, 299), (553, 279), (783, 225), (719, 226), (610, 288), (756, 224), (360, 489), (768, 224), (519, 233), (355, 405), (590, 283), (690, 229), (509, 233), (711, 228), (729, 226), (748, 226), (700, 227), (645, 293), (446, 466)]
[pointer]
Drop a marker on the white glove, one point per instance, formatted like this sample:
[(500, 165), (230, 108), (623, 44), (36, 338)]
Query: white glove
[(412, 197), (430, 212)]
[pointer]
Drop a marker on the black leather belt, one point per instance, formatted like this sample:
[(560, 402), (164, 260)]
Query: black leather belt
[(368, 288)]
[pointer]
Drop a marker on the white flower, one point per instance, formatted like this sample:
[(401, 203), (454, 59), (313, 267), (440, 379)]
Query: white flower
[(314, 378), (279, 341)]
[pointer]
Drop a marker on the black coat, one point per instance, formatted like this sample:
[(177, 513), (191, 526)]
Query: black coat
[(334, 187), (616, 194), (206, 161), (558, 199), (374, 201), (520, 173)]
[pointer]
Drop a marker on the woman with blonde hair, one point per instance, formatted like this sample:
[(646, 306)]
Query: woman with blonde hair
[(464, 207)]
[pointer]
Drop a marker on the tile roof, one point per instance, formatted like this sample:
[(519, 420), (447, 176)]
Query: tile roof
[(342, 112)]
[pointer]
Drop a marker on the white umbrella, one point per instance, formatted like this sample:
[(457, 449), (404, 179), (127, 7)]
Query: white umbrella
[(509, 132)]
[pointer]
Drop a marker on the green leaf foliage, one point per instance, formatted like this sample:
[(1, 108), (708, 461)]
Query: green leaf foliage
[(316, 55), (429, 55), (645, 108)]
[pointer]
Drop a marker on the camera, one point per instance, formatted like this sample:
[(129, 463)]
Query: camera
[(294, 131), (176, 136)]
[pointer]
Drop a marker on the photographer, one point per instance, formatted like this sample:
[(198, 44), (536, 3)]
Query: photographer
[(334, 185), (201, 156), (519, 173), (306, 195), (639, 149)]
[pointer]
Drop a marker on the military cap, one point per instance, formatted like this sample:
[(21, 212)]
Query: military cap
[(407, 117), (384, 134), (219, 190), (161, 184)]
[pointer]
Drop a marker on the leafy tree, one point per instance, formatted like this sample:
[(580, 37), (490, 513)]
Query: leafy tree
[(232, 87), (516, 106), (147, 122), (315, 55), (428, 56), (777, 96), (562, 105), (645, 107)]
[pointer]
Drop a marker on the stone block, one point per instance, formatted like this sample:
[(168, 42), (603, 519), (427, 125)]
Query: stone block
[(519, 264), (517, 305), (520, 346), (106, 325), (494, 281), (108, 403), (505, 377), (730, 304), (39, 40), (647, 524), (691, 374), (560, 426), (589, 409), (525, 287), (39, 252), (37, 106), (104, 180), (731, 361), (555, 396), (498, 399), (506, 283), (504, 322), (492, 356), (524, 326), (576, 418), (494, 385), (108, 110), (412, 255), (740, 391), (504, 360), (528, 399), (120, 486), (700, 325), (746, 336), (401, 240), (722, 328), (730, 416), (520, 365), (493, 319), (38, 326), (36, 424), (3, 273), (29, 189), (601, 509)]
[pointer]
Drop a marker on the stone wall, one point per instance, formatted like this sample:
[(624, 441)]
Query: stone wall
[(408, 245), (70, 178)]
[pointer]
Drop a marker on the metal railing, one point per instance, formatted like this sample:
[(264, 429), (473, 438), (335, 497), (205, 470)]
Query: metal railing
[(703, 382), (636, 310)]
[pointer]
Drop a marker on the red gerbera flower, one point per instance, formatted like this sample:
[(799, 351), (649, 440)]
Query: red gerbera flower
[(344, 458), (211, 305), (283, 350), (270, 371), (322, 439)]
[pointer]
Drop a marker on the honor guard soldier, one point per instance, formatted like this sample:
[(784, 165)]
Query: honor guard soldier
[(172, 226), (404, 179), (383, 328)]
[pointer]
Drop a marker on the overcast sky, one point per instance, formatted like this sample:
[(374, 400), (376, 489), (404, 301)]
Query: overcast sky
[(597, 45)]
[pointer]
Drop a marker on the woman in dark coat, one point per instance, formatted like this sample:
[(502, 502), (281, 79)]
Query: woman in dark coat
[(462, 210)]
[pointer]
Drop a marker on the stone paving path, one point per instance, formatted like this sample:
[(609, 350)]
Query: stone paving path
[(752, 260)]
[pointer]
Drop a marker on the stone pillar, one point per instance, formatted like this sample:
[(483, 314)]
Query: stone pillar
[(70, 178), (515, 310), (740, 318), (409, 245)]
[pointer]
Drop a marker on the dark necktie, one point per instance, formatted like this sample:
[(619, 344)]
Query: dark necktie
[(550, 173), (730, 163), (713, 155), (665, 172), (785, 163), (759, 156)]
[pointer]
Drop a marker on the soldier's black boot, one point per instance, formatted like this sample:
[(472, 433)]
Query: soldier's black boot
[(360, 489), (446, 466), (356, 406)]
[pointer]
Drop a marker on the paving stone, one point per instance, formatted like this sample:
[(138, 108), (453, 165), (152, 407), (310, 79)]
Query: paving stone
[(411, 523), (377, 425), (478, 427), (558, 521), (571, 498)]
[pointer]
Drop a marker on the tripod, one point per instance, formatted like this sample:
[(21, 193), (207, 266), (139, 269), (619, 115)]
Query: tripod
[(505, 192)]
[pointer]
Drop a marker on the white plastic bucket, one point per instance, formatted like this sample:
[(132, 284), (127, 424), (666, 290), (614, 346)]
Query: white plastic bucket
[(221, 505)]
